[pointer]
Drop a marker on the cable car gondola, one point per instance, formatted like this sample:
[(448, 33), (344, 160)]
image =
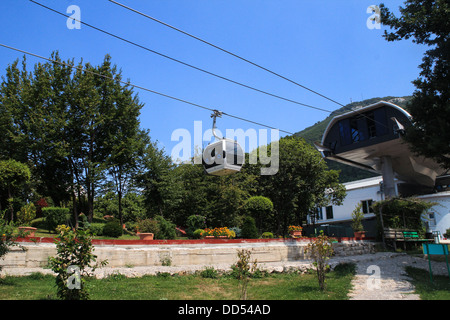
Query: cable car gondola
[(222, 157)]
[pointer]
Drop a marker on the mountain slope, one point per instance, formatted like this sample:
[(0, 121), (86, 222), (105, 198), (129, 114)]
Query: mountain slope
[(314, 134)]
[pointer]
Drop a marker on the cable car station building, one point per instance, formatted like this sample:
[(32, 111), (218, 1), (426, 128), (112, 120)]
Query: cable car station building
[(371, 138)]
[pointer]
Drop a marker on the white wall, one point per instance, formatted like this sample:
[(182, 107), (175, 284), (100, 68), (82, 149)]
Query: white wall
[(441, 211), (357, 191), (368, 189)]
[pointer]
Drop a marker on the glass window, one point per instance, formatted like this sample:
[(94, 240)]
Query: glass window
[(344, 132), (319, 213), (367, 206), (379, 116), (329, 212)]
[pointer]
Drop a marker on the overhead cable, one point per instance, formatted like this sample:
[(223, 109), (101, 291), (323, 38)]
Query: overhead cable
[(143, 88), (182, 62), (226, 51)]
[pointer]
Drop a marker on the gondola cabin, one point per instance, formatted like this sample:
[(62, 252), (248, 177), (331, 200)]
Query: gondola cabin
[(223, 157)]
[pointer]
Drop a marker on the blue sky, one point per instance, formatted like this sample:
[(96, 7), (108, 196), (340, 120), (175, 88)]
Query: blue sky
[(324, 45)]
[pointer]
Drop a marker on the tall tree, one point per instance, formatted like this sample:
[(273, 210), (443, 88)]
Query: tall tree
[(303, 181), (427, 22)]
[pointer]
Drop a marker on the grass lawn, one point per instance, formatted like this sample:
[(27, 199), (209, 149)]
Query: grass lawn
[(438, 290), (284, 286)]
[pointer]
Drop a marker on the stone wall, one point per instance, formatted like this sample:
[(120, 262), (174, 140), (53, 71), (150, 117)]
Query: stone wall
[(37, 254)]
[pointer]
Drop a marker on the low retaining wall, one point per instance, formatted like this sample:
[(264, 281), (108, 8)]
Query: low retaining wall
[(181, 252)]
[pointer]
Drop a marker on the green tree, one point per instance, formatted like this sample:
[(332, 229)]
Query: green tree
[(261, 209), (303, 182), (249, 230), (13, 175), (427, 23)]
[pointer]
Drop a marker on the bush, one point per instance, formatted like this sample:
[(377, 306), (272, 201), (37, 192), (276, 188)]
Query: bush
[(321, 249), (197, 234), (209, 273), (26, 214), (237, 232), (131, 226), (447, 233), (260, 208), (96, 228), (55, 216), (112, 229), (167, 229), (249, 230), (74, 259), (148, 226), (267, 235), (193, 223), (7, 238)]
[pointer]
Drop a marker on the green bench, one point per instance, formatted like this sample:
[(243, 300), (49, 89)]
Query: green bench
[(400, 235)]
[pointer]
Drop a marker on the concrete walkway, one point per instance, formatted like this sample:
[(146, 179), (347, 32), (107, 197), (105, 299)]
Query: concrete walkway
[(383, 276)]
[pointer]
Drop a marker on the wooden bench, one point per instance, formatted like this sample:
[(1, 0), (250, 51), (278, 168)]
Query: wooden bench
[(401, 235)]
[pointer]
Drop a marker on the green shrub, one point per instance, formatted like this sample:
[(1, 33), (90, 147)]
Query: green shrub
[(193, 223), (197, 234), (73, 260), (131, 226), (447, 233), (112, 229), (39, 223), (261, 209), (267, 235), (96, 228), (249, 230), (166, 228), (148, 226), (26, 214), (7, 238), (237, 231), (55, 216), (209, 273)]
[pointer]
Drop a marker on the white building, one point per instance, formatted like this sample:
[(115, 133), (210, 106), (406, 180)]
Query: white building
[(371, 138), (367, 191)]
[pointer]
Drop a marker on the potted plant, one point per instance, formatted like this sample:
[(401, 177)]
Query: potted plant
[(295, 231), (357, 217), (24, 217), (147, 228)]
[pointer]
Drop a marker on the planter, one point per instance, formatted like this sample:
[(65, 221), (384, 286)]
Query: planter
[(295, 234), (359, 234), (218, 237), (145, 236), (27, 231)]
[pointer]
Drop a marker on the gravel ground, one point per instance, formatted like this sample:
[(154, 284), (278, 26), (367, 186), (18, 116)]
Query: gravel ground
[(380, 276)]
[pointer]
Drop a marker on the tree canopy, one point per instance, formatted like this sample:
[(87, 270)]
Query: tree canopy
[(77, 128), (427, 22)]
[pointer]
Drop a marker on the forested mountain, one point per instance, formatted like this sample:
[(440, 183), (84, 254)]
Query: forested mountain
[(314, 134)]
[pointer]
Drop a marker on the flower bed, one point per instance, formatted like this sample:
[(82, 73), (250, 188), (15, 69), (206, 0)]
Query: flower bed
[(221, 233)]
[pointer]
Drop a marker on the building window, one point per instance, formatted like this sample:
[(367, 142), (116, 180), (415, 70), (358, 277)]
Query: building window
[(364, 126), (319, 213), (432, 219), (367, 206), (329, 212)]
